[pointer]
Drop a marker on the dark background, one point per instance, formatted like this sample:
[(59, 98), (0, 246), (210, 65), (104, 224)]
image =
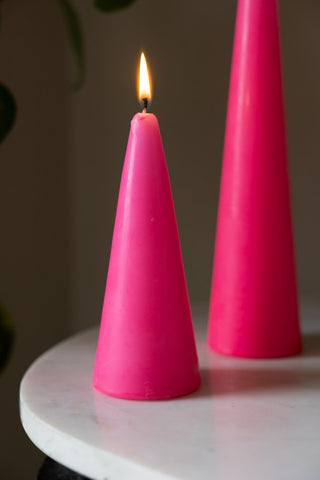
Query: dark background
[(61, 165)]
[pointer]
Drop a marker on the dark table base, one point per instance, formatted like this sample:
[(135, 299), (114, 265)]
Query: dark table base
[(52, 470)]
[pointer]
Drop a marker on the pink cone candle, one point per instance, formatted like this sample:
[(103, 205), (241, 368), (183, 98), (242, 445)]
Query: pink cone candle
[(254, 308), (146, 348)]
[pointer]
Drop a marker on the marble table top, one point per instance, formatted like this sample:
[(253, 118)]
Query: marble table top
[(251, 419)]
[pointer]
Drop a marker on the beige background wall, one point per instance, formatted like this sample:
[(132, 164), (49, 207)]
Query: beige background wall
[(61, 166)]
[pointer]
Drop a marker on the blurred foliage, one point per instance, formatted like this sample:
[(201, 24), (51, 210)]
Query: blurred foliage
[(8, 112), (74, 29), (75, 33), (6, 336), (109, 6)]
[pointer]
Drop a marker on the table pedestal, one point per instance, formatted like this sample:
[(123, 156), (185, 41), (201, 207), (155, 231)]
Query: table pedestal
[(52, 470)]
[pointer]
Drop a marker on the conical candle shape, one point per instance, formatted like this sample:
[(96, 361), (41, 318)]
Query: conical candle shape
[(254, 308), (146, 347)]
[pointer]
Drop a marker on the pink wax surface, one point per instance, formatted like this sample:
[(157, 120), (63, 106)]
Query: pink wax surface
[(146, 348), (254, 308)]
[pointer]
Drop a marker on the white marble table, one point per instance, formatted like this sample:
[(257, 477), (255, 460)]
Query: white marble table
[(251, 419)]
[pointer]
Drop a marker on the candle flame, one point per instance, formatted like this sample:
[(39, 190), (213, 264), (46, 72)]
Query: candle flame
[(144, 82)]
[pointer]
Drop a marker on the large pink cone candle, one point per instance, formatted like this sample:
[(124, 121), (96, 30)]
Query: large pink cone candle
[(254, 308), (146, 347)]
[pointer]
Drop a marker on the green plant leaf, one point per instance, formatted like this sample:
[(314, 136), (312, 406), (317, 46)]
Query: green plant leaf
[(6, 336), (109, 6), (76, 38), (8, 111)]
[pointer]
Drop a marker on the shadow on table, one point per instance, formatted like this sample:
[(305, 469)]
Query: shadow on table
[(311, 345), (236, 376)]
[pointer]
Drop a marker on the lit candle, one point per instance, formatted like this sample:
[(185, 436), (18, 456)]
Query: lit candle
[(146, 348), (254, 308)]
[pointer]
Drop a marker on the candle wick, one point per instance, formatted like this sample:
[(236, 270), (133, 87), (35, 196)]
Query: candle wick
[(145, 103)]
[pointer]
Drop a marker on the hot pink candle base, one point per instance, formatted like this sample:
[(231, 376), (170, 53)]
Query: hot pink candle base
[(146, 347), (254, 308)]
